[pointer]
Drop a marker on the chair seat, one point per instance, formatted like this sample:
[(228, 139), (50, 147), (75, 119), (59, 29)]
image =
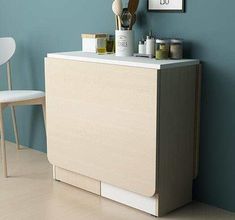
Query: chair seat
[(19, 95)]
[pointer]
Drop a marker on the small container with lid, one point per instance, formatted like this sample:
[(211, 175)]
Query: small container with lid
[(150, 45), (101, 46), (142, 47), (162, 49), (176, 49)]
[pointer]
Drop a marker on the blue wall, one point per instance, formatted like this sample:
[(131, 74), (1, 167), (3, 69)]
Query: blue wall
[(46, 26)]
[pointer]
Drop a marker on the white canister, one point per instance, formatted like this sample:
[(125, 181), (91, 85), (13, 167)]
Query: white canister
[(124, 43), (150, 46), (142, 47)]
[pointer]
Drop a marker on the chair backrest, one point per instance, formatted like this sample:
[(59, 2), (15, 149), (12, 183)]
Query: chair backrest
[(7, 49)]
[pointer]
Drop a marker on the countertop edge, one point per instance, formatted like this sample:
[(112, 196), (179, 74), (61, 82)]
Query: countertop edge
[(123, 63)]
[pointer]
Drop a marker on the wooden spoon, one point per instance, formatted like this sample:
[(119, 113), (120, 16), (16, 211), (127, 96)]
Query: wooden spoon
[(132, 8), (117, 9)]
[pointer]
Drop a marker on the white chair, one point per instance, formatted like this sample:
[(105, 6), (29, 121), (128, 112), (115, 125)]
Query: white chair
[(11, 98)]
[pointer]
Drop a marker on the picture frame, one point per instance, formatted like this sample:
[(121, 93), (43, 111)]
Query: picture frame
[(166, 5)]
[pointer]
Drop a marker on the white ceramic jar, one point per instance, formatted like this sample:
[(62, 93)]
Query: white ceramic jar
[(142, 47), (150, 46), (124, 43)]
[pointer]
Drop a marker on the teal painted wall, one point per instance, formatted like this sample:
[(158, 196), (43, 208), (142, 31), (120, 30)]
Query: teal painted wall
[(46, 26)]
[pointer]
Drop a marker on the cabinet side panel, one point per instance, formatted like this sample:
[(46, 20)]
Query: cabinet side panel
[(176, 137), (197, 120), (102, 122)]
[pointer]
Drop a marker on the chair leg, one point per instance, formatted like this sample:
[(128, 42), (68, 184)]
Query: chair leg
[(13, 115), (44, 114), (3, 147)]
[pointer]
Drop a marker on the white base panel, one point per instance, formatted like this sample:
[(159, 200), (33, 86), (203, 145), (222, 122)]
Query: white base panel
[(133, 200)]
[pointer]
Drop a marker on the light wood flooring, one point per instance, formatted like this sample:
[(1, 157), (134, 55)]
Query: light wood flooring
[(31, 194)]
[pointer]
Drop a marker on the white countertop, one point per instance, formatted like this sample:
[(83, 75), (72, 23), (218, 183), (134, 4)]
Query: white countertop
[(123, 61)]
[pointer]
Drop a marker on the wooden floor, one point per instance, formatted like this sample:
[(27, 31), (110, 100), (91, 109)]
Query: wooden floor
[(31, 194)]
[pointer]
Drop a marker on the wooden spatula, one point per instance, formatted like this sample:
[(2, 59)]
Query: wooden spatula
[(132, 8)]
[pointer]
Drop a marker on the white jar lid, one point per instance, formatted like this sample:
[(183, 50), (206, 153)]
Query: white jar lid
[(176, 41), (162, 41)]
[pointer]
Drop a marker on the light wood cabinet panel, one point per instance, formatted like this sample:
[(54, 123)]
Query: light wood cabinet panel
[(176, 137), (77, 180), (101, 122)]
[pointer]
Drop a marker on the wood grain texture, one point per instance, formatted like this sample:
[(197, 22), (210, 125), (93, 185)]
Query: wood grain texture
[(176, 137), (101, 122), (77, 180)]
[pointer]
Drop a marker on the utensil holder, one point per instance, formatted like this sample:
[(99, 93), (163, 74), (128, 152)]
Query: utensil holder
[(124, 43)]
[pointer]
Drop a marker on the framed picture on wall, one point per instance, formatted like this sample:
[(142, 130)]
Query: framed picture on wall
[(166, 5)]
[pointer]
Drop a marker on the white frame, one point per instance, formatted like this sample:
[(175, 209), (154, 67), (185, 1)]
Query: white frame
[(166, 5)]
